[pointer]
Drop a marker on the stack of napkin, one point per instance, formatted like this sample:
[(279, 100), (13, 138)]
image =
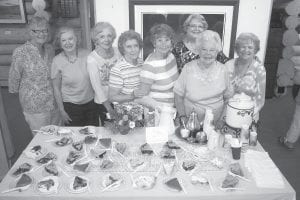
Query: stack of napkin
[(264, 171)]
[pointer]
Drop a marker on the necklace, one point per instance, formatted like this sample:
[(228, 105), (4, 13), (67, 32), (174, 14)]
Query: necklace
[(206, 75), (71, 59), (240, 69)]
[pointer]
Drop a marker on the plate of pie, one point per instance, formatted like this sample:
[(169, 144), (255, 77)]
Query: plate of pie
[(35, 152), (120, 147), (64, 141), (73, 157), (83, 167), (21, 169), (49, 130), (144, 182), (78, 145), (112, 182), (22, 183), (78, 184), (87, 130), (51, 169), (48, 185), (174, 185), (47, 158)]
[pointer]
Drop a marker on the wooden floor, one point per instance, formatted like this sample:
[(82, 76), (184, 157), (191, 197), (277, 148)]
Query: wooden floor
[(275, 120)]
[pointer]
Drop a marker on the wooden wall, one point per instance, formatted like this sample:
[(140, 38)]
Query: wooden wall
[(13, 35)]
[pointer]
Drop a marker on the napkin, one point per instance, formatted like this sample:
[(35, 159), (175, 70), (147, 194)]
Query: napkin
[(263, 169)]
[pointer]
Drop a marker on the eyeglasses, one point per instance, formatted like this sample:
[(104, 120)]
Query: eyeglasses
[(193, 26), (44, 31)]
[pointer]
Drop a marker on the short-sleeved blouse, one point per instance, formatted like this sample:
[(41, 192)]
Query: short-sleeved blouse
[(184, 55), (125, 76), (201, 90), (75, 83), (161, 75), (252, 82)]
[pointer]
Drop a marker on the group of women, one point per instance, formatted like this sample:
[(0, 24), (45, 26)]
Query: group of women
[(189, 74)]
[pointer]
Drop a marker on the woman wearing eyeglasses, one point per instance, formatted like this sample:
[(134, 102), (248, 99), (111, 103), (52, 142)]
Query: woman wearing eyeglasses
[(29, 76), (186, 50)]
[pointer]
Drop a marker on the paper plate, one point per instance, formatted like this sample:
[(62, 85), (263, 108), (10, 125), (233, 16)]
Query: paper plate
[(52, 190), (69, 186)]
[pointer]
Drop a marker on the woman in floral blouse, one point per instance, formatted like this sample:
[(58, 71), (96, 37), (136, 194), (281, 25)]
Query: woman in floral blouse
[(186, 50), (29, 76), (247, 73)]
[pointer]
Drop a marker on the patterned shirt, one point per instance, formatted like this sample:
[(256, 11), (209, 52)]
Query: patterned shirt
[(125, 76), (184, 55), (252, 82), (29, 76), (161, 75)]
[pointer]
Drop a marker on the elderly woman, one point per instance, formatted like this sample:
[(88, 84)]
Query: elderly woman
[(159, 71), (125, 75), (72, 88), (247, 73), (203, 83), (29, 76), (99, 63), (186, 50)]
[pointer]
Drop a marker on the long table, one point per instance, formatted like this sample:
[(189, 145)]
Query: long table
[(249, 190)]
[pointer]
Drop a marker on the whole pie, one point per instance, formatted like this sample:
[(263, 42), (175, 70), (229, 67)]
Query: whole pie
[(25, 167)]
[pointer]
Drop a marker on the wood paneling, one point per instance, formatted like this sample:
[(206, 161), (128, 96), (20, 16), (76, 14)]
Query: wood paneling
[(5, 59), (7, 48), (4, 70)]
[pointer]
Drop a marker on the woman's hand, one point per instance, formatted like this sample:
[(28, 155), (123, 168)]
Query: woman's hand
[(65, 117)]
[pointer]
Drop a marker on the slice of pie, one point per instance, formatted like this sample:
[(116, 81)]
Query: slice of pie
[(105, 142), (64, 141), (236, 169), (188, 165), (146, 149), (24, 181), (84, 131), (167, 153), (98, 153), (79, 183), (106, 164), (82, 167), (168, 167), (112, 180), (73, 156), (230, 181), (78, 146), (174, 185), (172, 145), (48, 184), (52, 169), (135, 163), (121, 147), (47, 158), (90, 139), (25, 167)]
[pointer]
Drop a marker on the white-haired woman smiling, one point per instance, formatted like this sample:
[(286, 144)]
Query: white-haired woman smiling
[(203, 83)]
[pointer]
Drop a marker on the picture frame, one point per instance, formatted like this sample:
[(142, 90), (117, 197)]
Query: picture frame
[(221, 16), (12, 11)]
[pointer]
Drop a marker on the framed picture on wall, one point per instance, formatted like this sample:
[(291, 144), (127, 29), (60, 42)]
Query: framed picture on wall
[(12, 11), (221, 16)]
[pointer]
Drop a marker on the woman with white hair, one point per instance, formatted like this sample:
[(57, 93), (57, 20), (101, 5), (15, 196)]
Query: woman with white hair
[(204, 82), (99, 64), (186, 50), (72, 88)]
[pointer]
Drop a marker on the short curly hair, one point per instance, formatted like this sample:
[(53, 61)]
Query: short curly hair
[(129, 35), (194, 16), (159, 30), (99, 27), (246, 37), (212, 37), (60, 31)]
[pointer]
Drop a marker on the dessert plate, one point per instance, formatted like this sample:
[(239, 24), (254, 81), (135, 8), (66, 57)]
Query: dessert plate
[(35, 152), (48, 185), (78, 184)]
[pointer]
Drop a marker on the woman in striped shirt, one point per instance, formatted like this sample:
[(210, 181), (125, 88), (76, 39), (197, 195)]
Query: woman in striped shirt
[(125, 75), (159, 71)]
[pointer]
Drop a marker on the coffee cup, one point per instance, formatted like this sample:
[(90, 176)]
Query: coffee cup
[(236, 148)]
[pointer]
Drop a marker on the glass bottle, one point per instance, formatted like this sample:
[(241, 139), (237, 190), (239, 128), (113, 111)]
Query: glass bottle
[(193, 123)]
